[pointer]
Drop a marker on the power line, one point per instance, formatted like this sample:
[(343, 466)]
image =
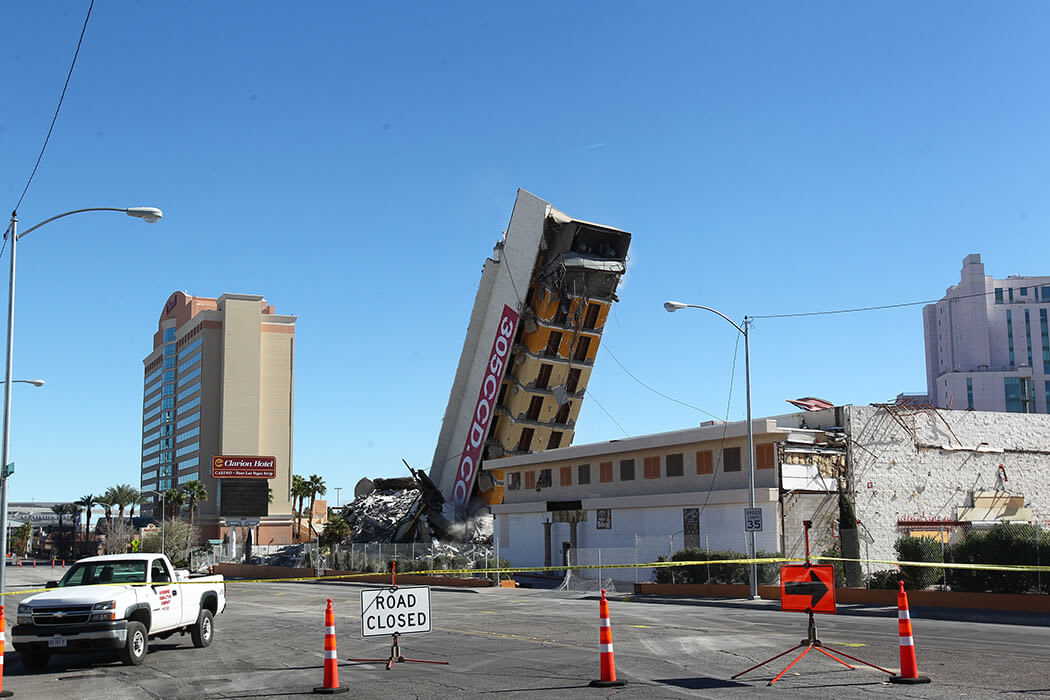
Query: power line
[(658, 393), (875, 308), (58, 108), (595, 400)]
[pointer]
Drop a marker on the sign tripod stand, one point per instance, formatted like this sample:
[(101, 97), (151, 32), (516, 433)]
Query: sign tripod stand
[(395, 648), (814, 582)]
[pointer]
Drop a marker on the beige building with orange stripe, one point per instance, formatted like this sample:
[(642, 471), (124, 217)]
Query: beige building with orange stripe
[(220, 381)]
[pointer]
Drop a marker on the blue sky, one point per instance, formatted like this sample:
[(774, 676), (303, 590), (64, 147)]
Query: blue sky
[(355, 164)]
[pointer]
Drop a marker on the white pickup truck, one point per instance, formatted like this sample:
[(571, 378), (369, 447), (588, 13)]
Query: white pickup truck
[(117, 602)]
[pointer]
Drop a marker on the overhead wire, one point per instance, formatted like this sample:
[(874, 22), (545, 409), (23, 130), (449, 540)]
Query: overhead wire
[(605, 347), (54, 119), (874, 308)]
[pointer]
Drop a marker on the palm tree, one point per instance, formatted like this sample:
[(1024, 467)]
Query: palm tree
[(135, 498), (173, 502), (317, 487), (195, 492), (300, 490), (87, 503), (73, 510), (60, 511), (123, 496), (107, 500)]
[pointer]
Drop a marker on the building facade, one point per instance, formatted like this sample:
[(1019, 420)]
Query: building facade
[(530, 347), (988, 343), (910, 471), (220, 381)]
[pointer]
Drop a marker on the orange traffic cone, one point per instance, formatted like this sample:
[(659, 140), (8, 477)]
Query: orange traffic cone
[(608, 662), (909, 667), (331, 664), (3, 628)]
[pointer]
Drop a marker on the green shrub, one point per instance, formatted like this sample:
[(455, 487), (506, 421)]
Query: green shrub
[(917, 578), (1003, 544), (715, 573), (885, 579)]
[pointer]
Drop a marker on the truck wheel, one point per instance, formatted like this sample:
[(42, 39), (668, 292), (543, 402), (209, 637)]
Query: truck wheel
[(134, 651), (35, 660), (202, 632)]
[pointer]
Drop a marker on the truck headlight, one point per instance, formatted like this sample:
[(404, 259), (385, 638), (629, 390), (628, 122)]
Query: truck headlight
[(25, 614), (104, 611)]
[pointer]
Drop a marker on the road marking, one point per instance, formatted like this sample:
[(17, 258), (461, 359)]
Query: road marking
[(644, 627)]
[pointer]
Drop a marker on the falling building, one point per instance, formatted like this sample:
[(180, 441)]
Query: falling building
[(531, 343)]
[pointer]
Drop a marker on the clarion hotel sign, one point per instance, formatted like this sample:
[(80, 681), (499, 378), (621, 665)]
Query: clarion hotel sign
[(243, 467)]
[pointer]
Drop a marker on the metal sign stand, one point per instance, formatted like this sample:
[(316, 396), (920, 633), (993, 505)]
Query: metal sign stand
[(810, 642), (395, 648)]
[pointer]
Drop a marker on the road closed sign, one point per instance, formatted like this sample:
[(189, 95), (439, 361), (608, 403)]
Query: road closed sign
[(401, 610)]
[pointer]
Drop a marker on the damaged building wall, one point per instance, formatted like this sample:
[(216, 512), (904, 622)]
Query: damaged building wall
[(912, 465), (531, 344)]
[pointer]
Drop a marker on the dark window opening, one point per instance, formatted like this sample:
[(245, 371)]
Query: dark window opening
[(529, 296), (502, 395), (675, 464), (582, 346), (553, 344), (563, 413), (731, 459), (534, 408), (583, 474), (562, 314), (626, 470), (555, 440), (525, 441), (573, 381), (543, 379), (591, 319)]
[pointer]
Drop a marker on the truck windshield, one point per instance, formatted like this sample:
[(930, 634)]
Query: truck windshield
[(88, 573)]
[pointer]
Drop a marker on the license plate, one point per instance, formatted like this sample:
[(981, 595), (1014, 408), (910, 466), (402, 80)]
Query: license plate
[(56, 642)]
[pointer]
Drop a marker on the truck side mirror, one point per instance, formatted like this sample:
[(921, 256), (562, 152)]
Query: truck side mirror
[(51, 584)]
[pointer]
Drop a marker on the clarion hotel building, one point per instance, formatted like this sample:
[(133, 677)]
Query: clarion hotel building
[(220, 381)]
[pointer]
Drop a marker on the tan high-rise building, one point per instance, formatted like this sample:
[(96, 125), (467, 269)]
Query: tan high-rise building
[(220, 381)]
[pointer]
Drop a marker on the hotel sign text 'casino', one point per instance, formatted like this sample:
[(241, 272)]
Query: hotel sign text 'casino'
[(243, 467)]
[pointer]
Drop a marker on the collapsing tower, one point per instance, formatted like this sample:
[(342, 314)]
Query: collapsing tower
[(531, 343)]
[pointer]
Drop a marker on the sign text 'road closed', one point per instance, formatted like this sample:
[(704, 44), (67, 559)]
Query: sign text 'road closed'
[(387, 611), (807, 588)]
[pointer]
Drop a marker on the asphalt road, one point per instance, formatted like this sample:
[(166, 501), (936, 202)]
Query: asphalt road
[(269, 643)]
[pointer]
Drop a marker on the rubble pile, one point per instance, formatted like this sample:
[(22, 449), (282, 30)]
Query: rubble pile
[(385, 515)]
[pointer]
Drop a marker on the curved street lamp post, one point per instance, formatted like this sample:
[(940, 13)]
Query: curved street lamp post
[(672, 306), (148, 214)]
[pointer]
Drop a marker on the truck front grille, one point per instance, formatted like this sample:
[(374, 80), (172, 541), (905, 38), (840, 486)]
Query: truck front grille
[(64, 615)]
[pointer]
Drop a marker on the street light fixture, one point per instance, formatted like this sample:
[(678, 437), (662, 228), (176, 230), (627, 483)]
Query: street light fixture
[(672, 306), (148, 214)]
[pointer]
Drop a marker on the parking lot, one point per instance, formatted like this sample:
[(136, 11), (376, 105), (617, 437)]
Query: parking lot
[(523, 642)]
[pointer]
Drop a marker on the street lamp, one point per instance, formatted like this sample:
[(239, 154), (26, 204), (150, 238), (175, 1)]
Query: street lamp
[(36, 383), (672, 306), (148, 214), (161, 494)]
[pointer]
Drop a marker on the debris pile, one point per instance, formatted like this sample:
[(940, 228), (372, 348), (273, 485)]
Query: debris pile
[(407, 509)]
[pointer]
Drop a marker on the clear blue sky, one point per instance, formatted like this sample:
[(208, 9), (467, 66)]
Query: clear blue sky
[(355, 164)]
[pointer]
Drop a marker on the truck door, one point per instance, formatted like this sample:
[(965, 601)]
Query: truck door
[(165, 597)]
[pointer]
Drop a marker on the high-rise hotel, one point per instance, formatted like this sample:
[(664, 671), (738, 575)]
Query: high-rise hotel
[(219, 381)]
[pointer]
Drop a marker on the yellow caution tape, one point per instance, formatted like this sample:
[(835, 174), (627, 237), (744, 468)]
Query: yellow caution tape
[(578, 567)]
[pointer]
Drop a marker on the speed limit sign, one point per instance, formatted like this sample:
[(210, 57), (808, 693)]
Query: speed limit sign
[(752, 520)]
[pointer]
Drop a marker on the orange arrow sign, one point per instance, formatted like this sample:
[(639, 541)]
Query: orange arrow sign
[(807, 588)]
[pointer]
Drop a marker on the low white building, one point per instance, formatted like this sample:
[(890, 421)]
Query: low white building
[(906, 468)]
